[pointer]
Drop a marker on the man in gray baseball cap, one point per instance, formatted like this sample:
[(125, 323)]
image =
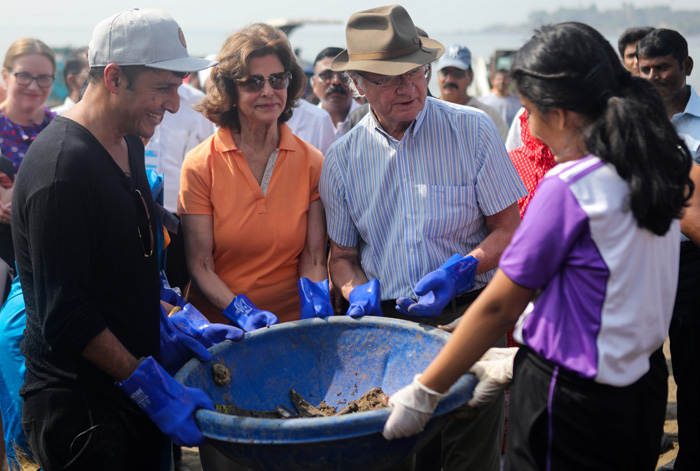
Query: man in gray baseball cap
[(87, 250)]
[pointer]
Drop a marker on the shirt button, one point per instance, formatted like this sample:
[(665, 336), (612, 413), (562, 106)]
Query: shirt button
[(405, 180), (408, 216), (411, 251)]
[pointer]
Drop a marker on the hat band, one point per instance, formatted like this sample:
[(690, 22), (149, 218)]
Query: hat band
[(384, 55)]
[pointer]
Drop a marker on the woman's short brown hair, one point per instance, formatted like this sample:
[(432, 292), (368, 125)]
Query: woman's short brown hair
[(256, 40), (25, 46)]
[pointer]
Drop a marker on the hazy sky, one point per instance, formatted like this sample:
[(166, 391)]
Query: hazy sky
[(70, 22), (449, 14)]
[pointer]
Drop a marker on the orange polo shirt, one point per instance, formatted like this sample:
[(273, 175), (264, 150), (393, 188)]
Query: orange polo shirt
[(257, 238)]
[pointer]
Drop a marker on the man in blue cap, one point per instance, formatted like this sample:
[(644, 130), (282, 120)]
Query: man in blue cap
[(455, 75)]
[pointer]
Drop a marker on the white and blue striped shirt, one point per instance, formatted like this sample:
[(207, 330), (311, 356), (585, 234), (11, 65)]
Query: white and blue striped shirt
[(409, 205)]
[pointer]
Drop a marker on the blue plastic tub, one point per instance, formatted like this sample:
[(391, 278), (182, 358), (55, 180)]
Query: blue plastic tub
[(335, 359)]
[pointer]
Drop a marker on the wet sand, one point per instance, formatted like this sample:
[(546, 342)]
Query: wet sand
[(671, 425), (190, 456)]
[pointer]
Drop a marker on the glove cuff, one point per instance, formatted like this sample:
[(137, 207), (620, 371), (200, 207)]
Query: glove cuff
[(417, 397), (462, 272), (148, 379), (314, 298), (366, 299), (239, 309), (426, 388)]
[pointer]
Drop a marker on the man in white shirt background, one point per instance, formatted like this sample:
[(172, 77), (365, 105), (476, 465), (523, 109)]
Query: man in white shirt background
[(332, 89)]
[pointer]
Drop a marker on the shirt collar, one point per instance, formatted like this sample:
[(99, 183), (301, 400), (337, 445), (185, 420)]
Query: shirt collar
[(223, 140), (287, 141), (693, 106), (412, 128)]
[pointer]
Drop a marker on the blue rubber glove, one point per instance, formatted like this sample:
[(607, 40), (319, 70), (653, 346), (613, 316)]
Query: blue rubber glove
[(169, 404), (168, 294), (366, 300), (314, 299), (403, 304), (243, 313), (177, 348), (439, 287), (192, 323)]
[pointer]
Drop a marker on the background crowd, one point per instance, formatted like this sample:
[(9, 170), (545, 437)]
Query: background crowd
[(260, 207)]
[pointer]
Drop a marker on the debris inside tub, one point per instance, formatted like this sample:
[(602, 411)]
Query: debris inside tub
[(371, 400)]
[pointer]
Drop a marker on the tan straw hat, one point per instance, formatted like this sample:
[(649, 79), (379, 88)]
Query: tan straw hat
[(384, 41)]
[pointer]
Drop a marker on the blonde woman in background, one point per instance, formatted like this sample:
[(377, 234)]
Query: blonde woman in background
[(28, 71), (28, 74)]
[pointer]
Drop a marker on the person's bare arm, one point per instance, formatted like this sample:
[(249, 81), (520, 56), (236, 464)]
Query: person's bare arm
[(690, 222), (6, 203), (312, 261), (345, 270), (5, 212), (107, 353), (500, 227), (198, 233), (495, 311)]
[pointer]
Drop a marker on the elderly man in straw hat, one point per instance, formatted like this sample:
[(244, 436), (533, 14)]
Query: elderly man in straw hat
[(88, 264), (419, 184)]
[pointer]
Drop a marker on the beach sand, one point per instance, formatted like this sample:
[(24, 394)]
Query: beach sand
[(190, 456), (671, 425)]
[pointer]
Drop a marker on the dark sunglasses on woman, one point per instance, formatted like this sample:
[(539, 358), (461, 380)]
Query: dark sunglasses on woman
[(255, 83)]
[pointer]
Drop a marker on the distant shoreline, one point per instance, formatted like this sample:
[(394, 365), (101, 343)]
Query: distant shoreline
[(609, 22)]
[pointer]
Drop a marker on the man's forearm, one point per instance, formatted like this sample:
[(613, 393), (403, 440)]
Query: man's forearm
[(489, 251), (501, 227), (345, 269), (107, 353), (346, 276)]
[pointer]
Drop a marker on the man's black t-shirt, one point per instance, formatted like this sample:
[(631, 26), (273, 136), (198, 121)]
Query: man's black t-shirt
[(80, 233)]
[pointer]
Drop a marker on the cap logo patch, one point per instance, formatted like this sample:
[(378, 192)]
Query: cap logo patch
[(182, 37)]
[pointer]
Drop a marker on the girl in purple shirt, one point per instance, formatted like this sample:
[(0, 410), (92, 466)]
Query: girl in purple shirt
[(593, 269)]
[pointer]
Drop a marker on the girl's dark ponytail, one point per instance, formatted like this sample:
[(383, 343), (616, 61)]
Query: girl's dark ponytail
[(634, 134)]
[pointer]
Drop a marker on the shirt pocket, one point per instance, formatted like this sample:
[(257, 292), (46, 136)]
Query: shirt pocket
[(452, 212)]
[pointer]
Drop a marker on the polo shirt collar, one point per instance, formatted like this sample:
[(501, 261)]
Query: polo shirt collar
[(287, 141), (223, 141)]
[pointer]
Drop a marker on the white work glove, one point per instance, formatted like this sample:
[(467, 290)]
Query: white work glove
[(495, 372), (413, 407)]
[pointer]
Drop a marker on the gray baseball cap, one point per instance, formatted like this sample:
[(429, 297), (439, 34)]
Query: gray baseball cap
[(142, 37)]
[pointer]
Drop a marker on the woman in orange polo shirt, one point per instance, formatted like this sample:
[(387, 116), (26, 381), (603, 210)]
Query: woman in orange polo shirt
[(252, 219)]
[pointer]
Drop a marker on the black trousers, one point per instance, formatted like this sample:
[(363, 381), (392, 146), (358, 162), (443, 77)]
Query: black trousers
[(685, 357), (71, 429), (560, 421)]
